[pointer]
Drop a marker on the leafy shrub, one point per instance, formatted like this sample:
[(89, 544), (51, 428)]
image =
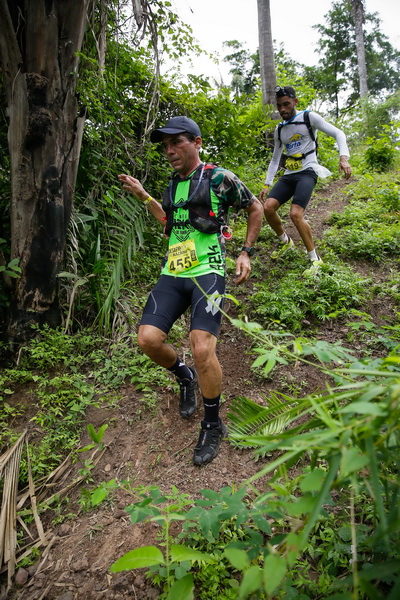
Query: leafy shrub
[(380, 154), (293, 298), (367, 228), (371, 242), (389, 196)]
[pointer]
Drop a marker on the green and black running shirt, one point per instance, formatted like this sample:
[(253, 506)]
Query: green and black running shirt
[(192, 253)]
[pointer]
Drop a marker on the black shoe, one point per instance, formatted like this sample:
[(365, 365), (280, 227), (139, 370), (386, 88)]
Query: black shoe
[(209, 442), (188, 398)]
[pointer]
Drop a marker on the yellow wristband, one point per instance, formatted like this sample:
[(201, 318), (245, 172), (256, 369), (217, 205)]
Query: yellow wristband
[(148, 200)]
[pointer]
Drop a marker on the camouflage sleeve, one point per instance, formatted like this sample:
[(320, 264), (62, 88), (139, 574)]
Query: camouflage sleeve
[(230, 189)]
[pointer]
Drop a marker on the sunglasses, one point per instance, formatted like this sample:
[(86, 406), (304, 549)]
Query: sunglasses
[(283, 91)]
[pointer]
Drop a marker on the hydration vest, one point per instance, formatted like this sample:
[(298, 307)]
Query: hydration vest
[(200, 213), (307, 123)]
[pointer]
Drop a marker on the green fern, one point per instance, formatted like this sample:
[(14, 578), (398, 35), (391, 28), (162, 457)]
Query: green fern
[(250, 421), (123, 244)]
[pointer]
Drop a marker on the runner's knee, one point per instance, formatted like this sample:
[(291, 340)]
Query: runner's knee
[(270, 208), (296, 214), (150, 339), (203, 346)]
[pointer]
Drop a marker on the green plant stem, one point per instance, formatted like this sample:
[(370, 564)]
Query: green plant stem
[(167, 551), (376, 486), (354, 562)]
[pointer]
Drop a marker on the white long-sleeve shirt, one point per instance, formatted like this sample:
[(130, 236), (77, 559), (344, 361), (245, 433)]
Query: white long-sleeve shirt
[(297, 140)]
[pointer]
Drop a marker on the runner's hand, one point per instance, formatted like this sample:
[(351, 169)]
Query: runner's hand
[(134, 186), (264, 194), (243, 268), (344, 166)]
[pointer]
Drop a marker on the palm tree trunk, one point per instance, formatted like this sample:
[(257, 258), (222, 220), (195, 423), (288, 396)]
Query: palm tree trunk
[(266, 49), (357, 9)]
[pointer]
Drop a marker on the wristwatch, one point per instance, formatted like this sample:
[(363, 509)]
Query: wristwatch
[(249, 249)]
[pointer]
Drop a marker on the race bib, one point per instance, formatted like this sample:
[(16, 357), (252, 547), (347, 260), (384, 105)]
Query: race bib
[(182, 257), (294, 162)]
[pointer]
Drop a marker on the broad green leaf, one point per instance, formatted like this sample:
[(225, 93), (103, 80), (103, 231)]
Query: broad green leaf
[(210, 494), (138, 515), (13, 263), (260, 360), (251, 582), (274, 571), (262, 523), (363, 408), (237, 323), (101, 431), (269, 366), (344, 533), (146, 556), (352, 460), (297, 347), (182, 569), (99, 495), (372, 393), (182, 589), (312, 481), (209, 522), (194, 512), (392, 360), (303, 505), (237, 558), (12, 274), (180, 553), (294, 545)]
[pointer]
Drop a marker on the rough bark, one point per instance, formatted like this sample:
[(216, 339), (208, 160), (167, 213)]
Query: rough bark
[(266, 49), (357, 8), (102, 41), (38, 45)]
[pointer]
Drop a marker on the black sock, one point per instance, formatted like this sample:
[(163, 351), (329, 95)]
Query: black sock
[(180, 370), (211, 409)]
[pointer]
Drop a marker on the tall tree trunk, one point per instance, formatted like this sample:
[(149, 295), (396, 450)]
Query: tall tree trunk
[(357, 9), (39, 41), (266, 49)]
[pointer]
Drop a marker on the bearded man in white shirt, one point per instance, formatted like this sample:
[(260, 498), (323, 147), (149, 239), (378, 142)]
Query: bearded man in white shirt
[(297, 135)]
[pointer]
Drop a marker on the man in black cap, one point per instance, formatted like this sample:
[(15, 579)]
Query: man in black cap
[(297, 135), (194, 213)]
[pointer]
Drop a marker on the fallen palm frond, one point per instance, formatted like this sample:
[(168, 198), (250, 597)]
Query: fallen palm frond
[(10, 463), (34, 494)]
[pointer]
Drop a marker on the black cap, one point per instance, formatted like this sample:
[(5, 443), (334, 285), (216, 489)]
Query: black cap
[(176, 125)]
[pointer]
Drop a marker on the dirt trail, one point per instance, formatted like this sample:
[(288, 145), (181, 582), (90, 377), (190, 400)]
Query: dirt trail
[(151, 449)]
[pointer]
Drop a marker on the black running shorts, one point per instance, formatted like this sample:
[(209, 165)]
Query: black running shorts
[(172, 296), (299, 185)]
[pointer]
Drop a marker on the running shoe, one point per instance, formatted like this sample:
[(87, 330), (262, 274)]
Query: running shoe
[(188, 395), (314, 267), (209, 442), (282, 249)]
